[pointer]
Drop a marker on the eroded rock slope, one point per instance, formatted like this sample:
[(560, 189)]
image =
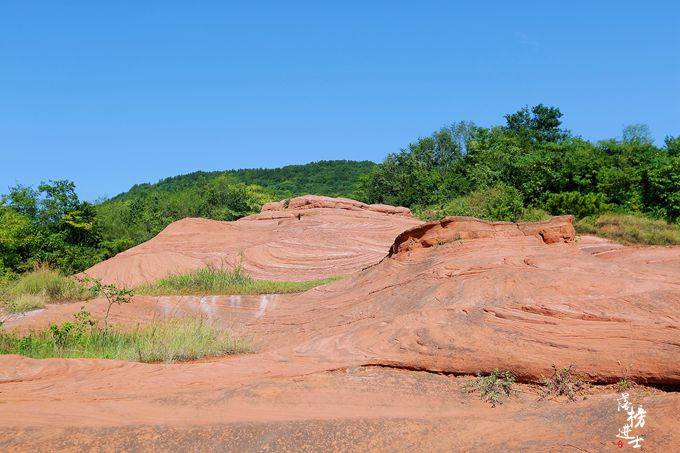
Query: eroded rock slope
[(298, 239)]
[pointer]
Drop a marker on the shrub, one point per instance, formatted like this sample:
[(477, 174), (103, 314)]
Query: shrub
[(562, 382), (494, 387), (43, 285), (500, 202), (624, 384), (630, 229), (47, 282), (26, 302), (534, 215), (576, 203), (111, 292)]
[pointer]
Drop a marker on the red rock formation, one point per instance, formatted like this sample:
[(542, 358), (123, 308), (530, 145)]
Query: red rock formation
[(450, 229), (316, 201), (299, 239), (460, 296)]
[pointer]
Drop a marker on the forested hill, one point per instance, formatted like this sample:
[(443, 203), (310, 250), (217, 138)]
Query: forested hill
[(334, 178)]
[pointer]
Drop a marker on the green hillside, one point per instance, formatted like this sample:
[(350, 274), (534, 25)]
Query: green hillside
[(334, 178)]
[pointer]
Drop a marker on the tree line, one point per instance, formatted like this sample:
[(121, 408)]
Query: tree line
[(530, 164)]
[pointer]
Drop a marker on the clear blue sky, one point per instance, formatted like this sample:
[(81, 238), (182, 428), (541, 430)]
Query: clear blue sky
[(109, 94)]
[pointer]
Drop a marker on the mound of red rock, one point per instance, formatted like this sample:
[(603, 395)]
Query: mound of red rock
[(298, 239), (317, 201), (340, 366), (467, 296)]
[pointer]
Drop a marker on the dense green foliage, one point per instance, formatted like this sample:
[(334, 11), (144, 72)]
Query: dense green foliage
[(162, 341), (129, 220), (499, 202), (50, 224), (336, 178), (207, 281), (530, 163)]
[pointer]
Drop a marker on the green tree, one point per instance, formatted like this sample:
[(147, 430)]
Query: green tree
[(542, 123), (16, 240), (637, 133), (672, 145)]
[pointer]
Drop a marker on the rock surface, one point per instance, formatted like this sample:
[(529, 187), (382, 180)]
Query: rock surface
[(303, 238), (369, 362)]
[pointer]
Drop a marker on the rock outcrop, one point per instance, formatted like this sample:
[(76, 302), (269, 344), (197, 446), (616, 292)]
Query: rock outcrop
[(298, 239), (381, 359), (465, 296), (450, 229), (317, 201)]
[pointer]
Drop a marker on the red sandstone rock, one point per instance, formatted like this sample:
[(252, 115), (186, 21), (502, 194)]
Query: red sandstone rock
[(451, 229), (299, 239), (316, 201), (460, 296)]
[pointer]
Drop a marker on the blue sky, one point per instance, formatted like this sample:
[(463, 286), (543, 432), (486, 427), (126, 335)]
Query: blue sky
[(109, 94)]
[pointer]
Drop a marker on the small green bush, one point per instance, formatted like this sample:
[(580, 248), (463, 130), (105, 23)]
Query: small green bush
[(41, 286), (534, 215), (576, 203), (500, 202), (624, 384), (494, 387), (562, 382), (49, 283)]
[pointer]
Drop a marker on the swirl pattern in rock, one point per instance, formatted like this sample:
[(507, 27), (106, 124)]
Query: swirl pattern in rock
[(299, 239)]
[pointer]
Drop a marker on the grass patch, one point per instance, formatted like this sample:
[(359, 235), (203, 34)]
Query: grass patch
[(171, 340), (494, 387), (208, 281), (562, 382), (42, 285), (25, 302), (630, 229)]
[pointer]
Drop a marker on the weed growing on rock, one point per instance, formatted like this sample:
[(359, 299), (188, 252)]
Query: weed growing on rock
[(624, 384), (494, 387), (562, 382)]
